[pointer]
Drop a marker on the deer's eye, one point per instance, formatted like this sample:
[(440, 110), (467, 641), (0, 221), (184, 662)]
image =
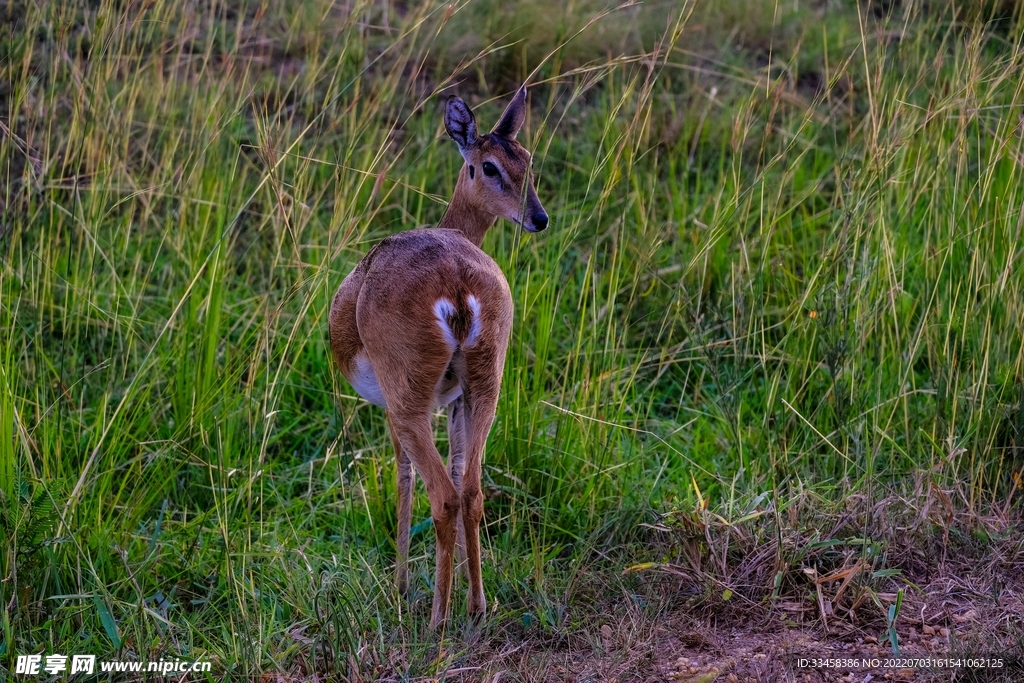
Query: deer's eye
[(490, 169)]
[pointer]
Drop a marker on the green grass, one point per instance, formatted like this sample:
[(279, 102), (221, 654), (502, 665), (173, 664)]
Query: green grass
[(784, 259)]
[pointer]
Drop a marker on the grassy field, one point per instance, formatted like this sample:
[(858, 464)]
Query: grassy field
[(775, 330)]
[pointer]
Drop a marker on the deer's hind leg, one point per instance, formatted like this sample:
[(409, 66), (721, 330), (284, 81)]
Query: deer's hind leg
[(481, 384), (417, 440), (406, 480), (407, 381)]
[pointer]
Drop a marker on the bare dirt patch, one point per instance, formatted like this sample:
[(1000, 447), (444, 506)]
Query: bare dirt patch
[(945, 635), (806, 596)]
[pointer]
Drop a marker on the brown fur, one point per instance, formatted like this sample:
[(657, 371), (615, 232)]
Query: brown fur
[(385, 314)]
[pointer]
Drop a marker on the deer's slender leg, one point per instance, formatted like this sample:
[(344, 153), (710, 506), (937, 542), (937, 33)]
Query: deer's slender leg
[(416, 439), (479, 422), (483, 380), (406, 482), (456, 468)]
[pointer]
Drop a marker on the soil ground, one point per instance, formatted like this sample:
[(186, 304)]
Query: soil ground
[(962, 621), (686, 650)]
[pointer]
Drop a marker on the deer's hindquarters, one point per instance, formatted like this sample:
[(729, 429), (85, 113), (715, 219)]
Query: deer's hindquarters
[(423, 321), (425, 299)]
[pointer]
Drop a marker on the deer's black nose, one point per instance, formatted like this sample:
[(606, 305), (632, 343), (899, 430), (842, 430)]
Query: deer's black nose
[(540, 221)]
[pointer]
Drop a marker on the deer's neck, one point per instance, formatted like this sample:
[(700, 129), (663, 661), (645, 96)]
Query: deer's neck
[(463, 215)]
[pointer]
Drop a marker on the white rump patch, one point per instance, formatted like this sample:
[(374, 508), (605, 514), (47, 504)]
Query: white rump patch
[(444, 309), (476, 325), (364, 380)]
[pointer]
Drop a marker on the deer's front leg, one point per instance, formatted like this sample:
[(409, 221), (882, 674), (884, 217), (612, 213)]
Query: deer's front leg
[(456, 469)]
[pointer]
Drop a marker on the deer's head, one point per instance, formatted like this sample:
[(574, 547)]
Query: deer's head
[(500, 178)]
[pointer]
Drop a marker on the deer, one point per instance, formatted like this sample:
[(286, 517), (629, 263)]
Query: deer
[(423, 322)]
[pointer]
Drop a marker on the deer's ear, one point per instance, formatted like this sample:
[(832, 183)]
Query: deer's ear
[(512, 120), (460, 124)]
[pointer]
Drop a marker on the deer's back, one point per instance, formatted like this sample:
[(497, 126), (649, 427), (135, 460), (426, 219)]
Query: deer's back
[(416, 268)]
